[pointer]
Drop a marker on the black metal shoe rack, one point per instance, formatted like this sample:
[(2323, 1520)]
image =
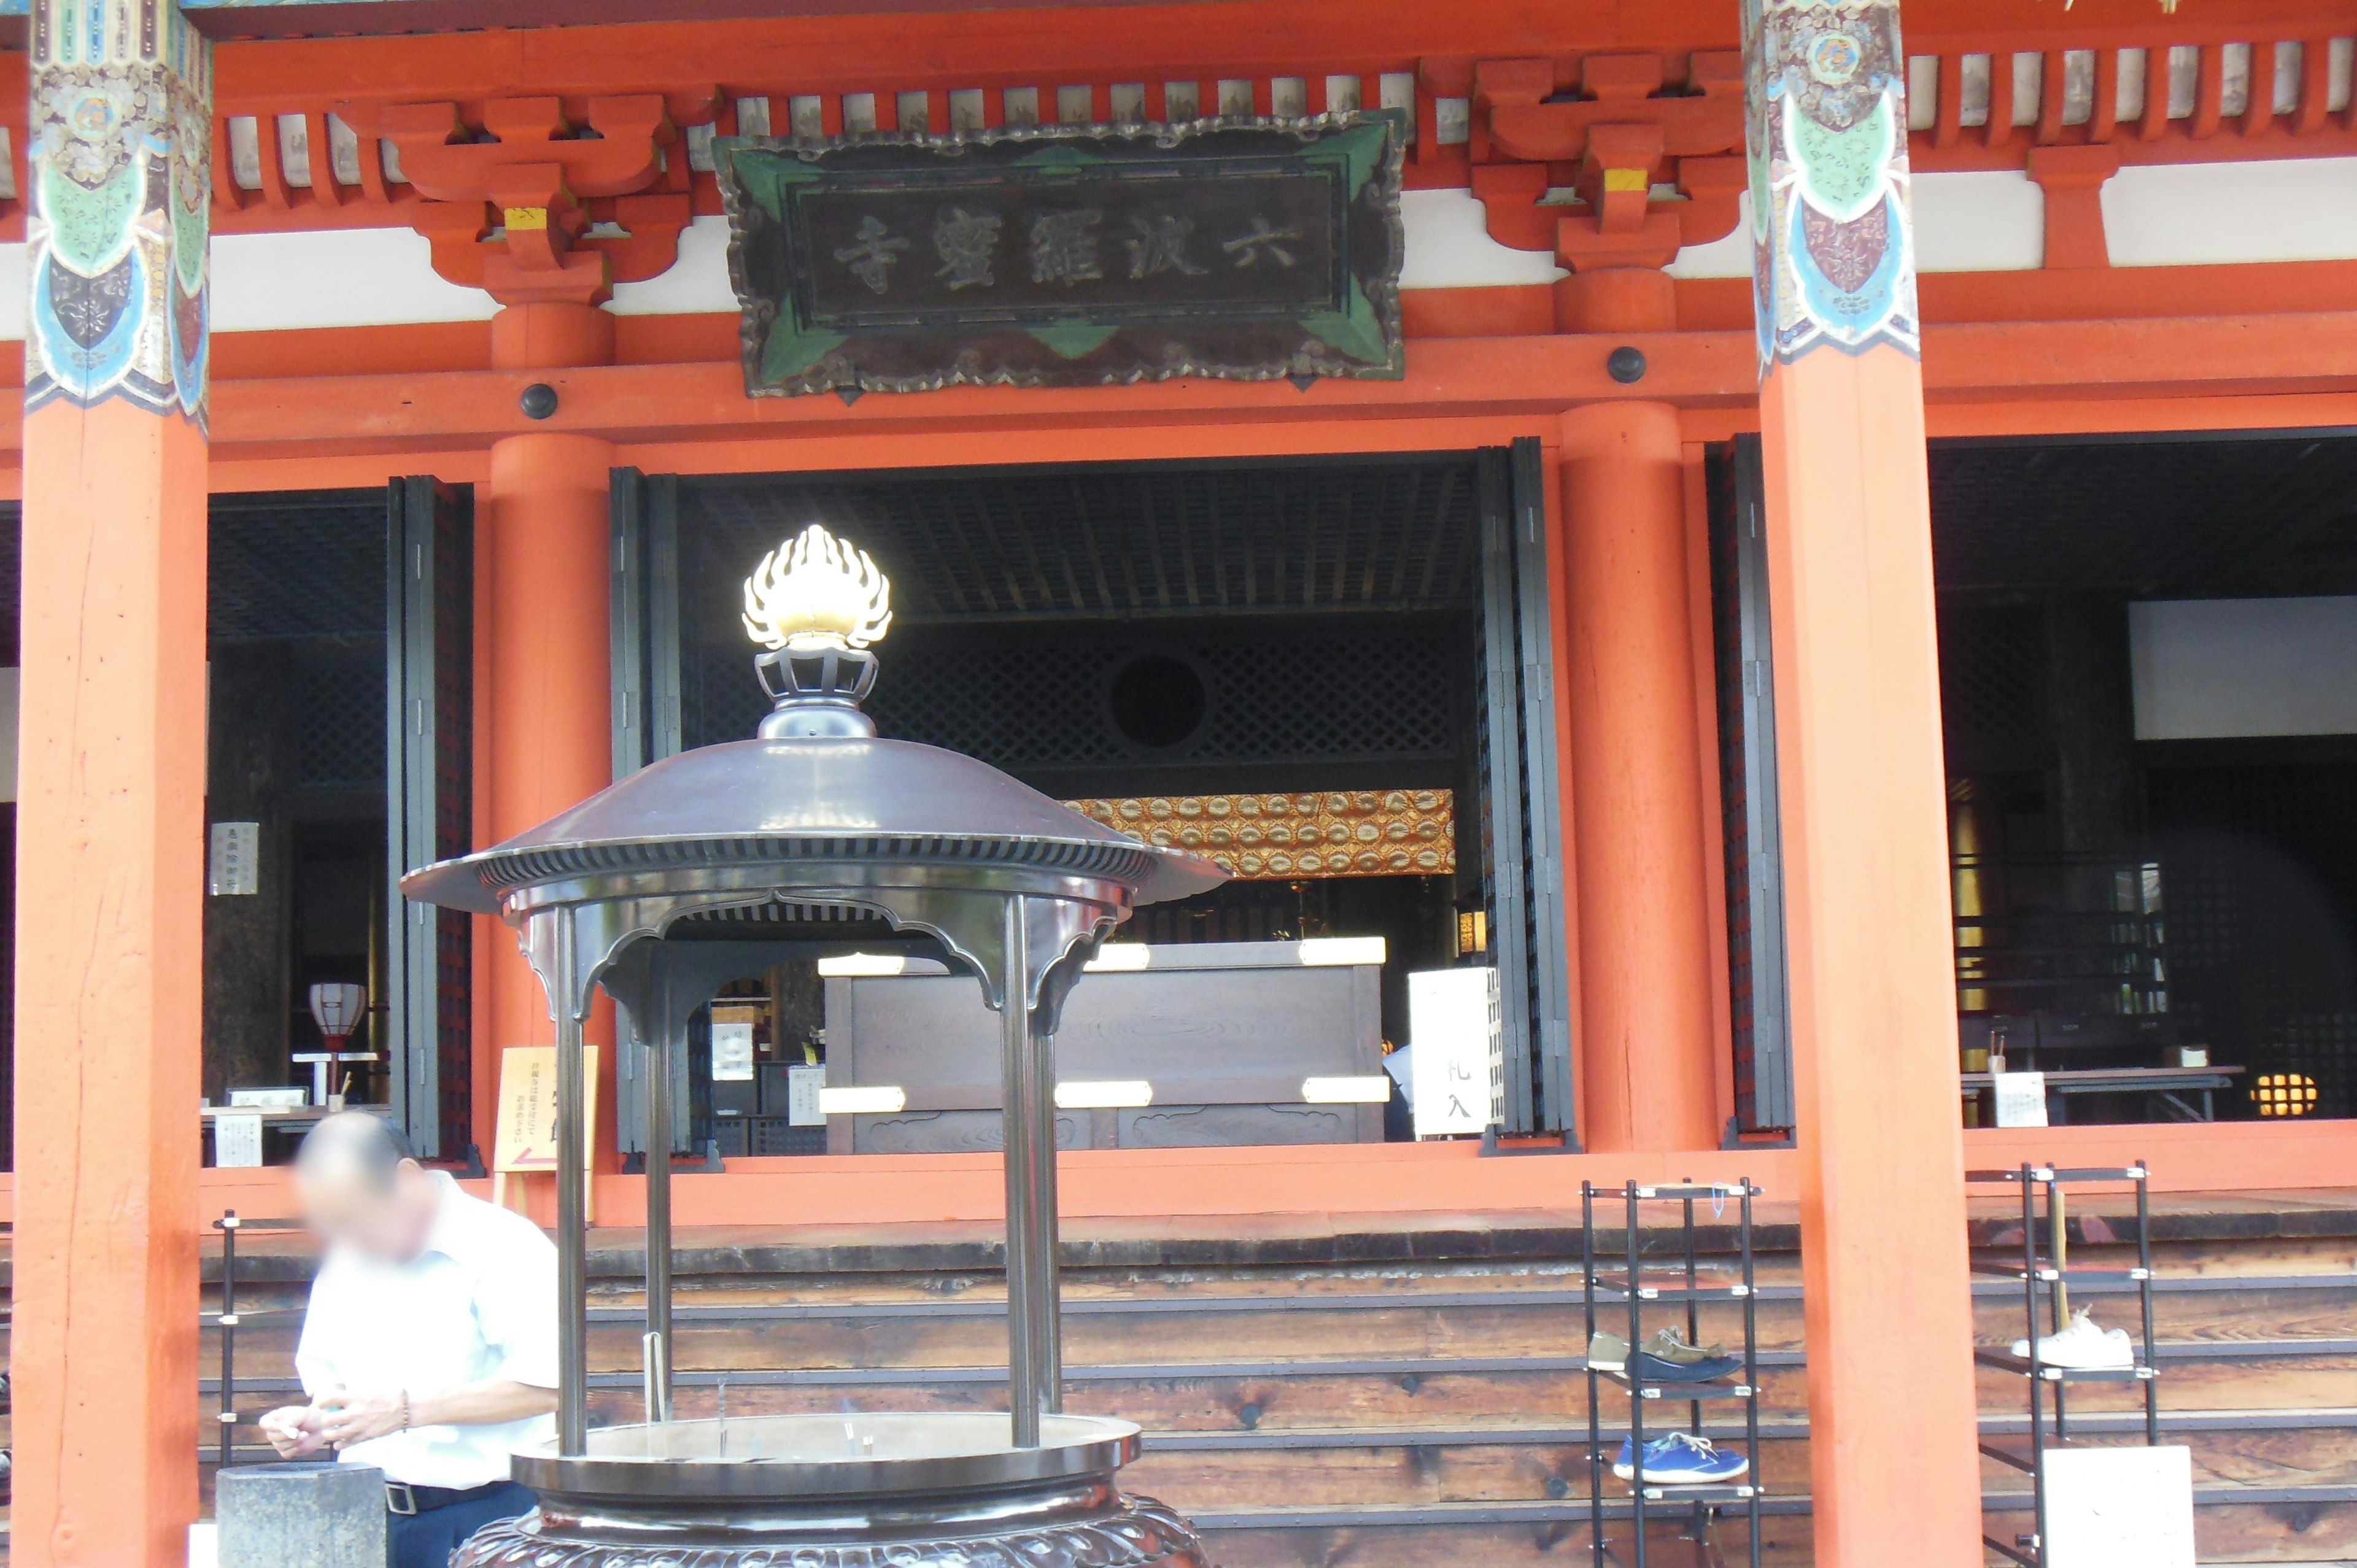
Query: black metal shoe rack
[(1639, 1290), (2046, 1279)]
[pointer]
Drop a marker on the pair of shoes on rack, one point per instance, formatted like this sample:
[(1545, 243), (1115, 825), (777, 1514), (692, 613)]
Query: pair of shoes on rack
[(1680, 1459), (2083, 1347), (1664, 1358)]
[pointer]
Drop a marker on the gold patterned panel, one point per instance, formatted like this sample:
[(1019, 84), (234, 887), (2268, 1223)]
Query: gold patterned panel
[(1366, 832)]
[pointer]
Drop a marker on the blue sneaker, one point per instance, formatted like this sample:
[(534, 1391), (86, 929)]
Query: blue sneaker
[(1681, 1459)]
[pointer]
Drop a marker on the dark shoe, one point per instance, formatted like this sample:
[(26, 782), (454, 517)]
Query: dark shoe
[(1665, 1359), (1647, 1367)]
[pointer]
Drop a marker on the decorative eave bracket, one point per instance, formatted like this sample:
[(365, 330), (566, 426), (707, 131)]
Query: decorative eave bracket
[(1649, 171), (543, 210)]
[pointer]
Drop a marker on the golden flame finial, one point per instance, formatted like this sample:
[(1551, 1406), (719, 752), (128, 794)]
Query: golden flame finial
[(817, 591)]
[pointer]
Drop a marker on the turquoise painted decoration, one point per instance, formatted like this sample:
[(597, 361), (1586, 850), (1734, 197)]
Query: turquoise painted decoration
[(1832, 225), (121, 186)]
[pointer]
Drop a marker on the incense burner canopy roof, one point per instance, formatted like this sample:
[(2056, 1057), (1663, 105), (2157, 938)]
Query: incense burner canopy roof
[(768, 813)]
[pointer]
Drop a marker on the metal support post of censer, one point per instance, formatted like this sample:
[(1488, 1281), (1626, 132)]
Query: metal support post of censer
[(815, 837)]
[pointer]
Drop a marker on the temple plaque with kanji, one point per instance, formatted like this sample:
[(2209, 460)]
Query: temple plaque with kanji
[(1068, 255)]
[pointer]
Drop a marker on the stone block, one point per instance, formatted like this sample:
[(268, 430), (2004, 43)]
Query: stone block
[(300, 1515)]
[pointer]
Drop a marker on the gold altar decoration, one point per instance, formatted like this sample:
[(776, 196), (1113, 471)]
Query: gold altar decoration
[(1364, 833)]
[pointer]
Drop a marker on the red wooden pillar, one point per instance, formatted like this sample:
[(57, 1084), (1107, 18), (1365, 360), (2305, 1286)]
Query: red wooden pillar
[(112, 783), (542, 525), (1892, 1424), (1636, 766)]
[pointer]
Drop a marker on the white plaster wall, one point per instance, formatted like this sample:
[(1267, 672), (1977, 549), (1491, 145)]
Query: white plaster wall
[(697, 283), (1448, 246), (1989, 220), (15, 291), (2175, 215), (334, 277), (2165, 215), (1728, 256)]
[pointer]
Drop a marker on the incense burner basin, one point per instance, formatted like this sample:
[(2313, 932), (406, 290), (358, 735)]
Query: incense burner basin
[(911, 1491)]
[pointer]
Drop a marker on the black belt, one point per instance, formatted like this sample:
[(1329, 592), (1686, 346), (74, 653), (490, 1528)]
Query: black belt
[(406, 1500)]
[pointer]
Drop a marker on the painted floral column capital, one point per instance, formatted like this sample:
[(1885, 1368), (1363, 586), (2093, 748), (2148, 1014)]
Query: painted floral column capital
[(1831, 224), (120, 169)]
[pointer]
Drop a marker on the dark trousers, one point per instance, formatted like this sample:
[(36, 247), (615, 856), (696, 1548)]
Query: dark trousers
[(426, 1539)]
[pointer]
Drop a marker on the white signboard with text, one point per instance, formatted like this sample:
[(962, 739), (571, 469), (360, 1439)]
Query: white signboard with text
[(732, 1052), (237, 1142), (2020, 1098), (804, 1088), (1453, 1026)]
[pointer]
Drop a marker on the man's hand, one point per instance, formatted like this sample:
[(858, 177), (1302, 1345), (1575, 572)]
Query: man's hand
[(296, 1430), (361, 1418)]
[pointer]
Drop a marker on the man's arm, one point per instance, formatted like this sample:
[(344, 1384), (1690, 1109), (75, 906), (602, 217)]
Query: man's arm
[(347, 1418), (299, 1431)]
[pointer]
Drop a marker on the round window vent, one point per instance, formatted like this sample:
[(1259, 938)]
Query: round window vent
[(1158, 701)]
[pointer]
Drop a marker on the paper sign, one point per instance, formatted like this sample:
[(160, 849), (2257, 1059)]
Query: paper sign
[(527, 1125), (237, 1140), (233, 868), (803, 1085), (732, 1052), (1452, 1024), (2119, 1508), (2020, 1098)]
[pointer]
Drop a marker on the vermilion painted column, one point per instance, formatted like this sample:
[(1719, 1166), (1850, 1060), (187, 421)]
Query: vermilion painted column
[(1635, 767), (1892, 1424), (111, 791), (543, 521)]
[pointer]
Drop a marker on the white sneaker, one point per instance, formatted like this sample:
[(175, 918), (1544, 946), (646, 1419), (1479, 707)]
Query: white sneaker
[(2083, 1346)]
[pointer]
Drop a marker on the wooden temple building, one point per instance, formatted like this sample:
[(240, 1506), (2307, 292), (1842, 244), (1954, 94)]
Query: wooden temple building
[(1816, 538)]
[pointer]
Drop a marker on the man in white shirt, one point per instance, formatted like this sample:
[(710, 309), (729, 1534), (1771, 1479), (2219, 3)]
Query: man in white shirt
[(429, 1346)]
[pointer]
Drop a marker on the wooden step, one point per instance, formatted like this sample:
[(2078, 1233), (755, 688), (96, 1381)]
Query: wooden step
[(1420, 1323), (1401, 1390), (1534, 1461), (1398, 1409)]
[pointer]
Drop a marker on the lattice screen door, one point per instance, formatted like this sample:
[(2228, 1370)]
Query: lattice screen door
[(1522, 816), (644, 562), (1751, 829), (429, 811)]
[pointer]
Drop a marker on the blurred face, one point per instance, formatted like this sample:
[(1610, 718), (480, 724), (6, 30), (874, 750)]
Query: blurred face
[(344, 1205)]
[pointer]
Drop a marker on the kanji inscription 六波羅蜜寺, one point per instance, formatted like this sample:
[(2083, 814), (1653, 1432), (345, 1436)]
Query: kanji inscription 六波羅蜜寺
[(1062, 256)]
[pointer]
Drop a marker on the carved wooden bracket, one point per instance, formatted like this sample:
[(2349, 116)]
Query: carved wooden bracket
[(2073, 180), (544, 207), (1615, 148)]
